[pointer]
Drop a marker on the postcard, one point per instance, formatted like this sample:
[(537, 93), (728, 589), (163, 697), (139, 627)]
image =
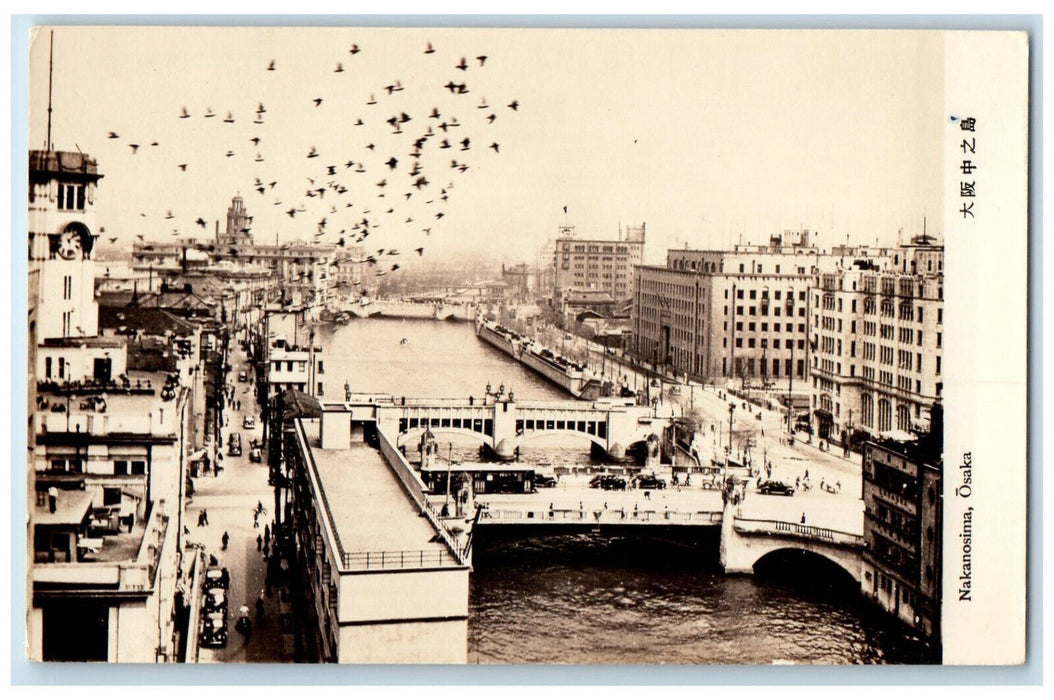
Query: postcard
[(548, 346)]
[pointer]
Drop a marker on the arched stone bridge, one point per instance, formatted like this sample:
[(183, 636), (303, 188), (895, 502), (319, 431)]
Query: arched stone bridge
[(745, 541), (503, 425)]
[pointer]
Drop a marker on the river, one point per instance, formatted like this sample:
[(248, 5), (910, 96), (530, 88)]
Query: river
[(582, 599)]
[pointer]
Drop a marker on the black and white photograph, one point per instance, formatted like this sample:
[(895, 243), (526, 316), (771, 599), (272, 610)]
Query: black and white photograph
[(491, 346)]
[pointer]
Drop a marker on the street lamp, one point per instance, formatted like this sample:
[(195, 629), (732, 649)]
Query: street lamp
[(790, 386), (731, 410)]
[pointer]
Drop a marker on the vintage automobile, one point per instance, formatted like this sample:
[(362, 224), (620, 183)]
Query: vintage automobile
[(214, 629), (255, 455), (775, 487), (249, 423), (216, 577), (650, 481), (215, 600), (234, 445), (613, 483), (243, 376), (544, 481)]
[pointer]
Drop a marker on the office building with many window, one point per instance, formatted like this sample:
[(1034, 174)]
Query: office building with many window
[(876, 342), (596, 265)]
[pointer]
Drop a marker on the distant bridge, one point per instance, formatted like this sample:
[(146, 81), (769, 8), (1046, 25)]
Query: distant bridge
[(503, 424), (398, 308)]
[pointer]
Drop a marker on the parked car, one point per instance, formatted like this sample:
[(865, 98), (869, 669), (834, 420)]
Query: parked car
[(216, 577), (544, 481), (243, 376), (249, 423), (613, 483), (214, 630), (650, 481), (255, 455), (215, 600), (777, 487), (234, 445), (594, 483)]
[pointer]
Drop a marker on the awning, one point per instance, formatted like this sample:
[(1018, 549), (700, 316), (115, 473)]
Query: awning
[(300, 405), (898, 436)]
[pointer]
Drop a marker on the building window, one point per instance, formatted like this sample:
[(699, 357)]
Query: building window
[(138, 467), (120, 467), (321, 368), (71, 197)]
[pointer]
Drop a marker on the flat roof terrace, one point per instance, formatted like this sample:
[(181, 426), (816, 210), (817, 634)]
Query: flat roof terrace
[(377, 524)]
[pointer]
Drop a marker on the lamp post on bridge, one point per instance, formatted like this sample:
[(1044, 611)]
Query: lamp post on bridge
[(731, 410)]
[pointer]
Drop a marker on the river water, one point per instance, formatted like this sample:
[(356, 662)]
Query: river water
[(583, 599)]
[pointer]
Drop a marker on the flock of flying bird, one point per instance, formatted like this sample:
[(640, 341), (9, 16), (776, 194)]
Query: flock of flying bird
[(342, 190)]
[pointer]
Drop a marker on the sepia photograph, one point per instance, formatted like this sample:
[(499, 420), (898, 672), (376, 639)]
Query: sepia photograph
[(491, 346)]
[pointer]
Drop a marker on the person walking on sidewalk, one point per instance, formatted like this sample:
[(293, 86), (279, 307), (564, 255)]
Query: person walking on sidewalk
[(259, 542)]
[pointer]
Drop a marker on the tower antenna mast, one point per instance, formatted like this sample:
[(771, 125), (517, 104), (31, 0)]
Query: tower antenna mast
[(51, 65)]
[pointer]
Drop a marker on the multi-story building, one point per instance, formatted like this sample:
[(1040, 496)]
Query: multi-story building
[(596, 265), (903, 523), (107, 450), (876, 341), (381, 583), (733, 315)]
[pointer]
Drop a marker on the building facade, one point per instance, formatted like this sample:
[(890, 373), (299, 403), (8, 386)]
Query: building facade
[(903, 523), (596, 265), (736, 316), (876, 337), (107, 450)]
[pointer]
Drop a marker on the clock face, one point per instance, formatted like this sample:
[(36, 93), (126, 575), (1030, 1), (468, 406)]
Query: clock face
[(70, 245)]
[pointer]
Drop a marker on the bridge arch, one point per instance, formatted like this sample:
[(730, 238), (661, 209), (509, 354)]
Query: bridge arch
[(413, 435), (527, 436), (810, 566)]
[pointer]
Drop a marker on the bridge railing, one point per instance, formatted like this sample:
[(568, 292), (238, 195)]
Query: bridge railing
[(400, 559), (609, 515), (416, 489), (809, 532)]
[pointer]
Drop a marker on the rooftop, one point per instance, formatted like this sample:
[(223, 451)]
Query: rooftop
[(370, 510)]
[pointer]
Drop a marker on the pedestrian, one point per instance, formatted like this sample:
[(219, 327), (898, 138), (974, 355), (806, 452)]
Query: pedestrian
[(803, 518), (267, 533), (205, 516), (259, 542), (225, 539), (201, 519), (797, 482), (256, 521)]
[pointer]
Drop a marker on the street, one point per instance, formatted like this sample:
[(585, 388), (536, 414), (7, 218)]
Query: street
[(230, 500)]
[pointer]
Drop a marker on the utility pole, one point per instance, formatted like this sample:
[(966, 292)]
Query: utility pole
[(731, 410)]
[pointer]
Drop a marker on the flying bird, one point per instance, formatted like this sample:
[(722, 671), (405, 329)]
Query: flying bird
[(354, 49), (312, 153), (429, 49), (229, 119), (463, 65), (373, 100), (255, 140), (113, 240), (209, 113), (183, 167), (339, 68), (317, 101), (229, 153), (185, 114), (514, 105), (491, 118), (200, 222), (270, 66), (392, 162), (495, 147), (260, 108), (483, 104), (112, 135), (434, 114), (419, 251), (481, 59), (134, 147)]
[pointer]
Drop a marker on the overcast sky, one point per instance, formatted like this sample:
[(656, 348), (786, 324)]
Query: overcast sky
[(705, 135)]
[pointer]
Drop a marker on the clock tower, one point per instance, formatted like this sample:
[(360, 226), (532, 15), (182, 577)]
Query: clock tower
[(62, 238)]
